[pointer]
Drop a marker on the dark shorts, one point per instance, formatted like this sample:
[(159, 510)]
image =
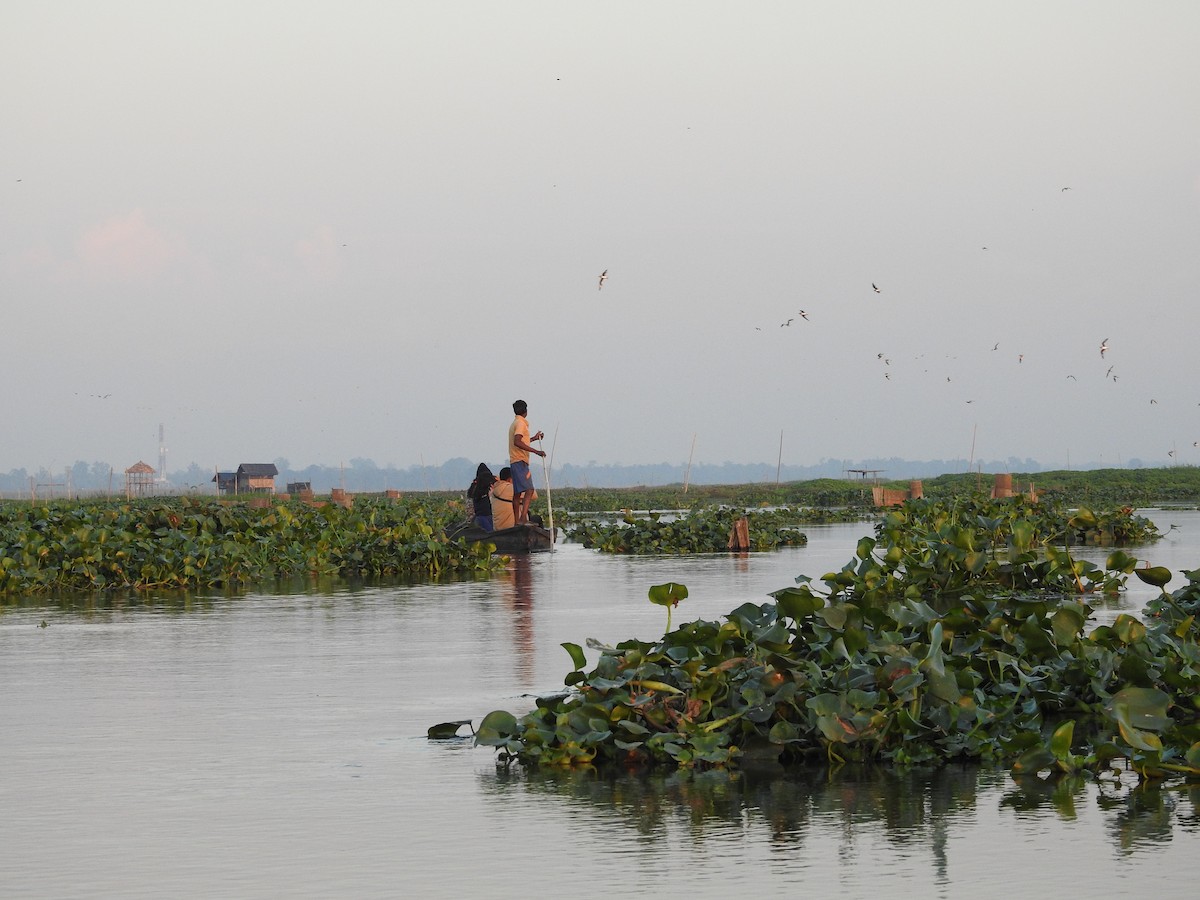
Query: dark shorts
[(522, 480), (485, 522)]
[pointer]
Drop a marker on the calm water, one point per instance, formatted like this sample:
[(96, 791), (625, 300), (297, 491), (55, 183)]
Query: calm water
[(274, 746)]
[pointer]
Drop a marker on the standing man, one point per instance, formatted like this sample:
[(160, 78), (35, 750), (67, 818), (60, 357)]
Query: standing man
[(519, 449)]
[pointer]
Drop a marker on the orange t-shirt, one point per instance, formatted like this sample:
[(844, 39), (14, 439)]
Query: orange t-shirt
[(515, 453), (502, 508)]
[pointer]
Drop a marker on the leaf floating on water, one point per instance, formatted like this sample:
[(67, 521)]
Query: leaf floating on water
[(445, 730)]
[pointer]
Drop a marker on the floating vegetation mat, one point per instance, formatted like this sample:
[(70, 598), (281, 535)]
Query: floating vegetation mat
[(960, 631), (182, 542)]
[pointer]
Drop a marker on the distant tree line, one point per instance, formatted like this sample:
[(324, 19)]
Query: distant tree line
[(365, 476)]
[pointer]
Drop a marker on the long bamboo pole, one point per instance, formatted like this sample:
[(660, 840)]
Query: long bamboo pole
[(546, 472)]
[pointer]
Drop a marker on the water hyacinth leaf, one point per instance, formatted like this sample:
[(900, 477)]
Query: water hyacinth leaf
[(1120, 561), (577, 654), (1129, 629), (668, 594), (1158, 576), (797, 603), (1193, 755), (838, 729), (496, 729), (1060, 741), (784, 732), (834, 616), (1033, 761), (1067, 624), (825, 704), (445, 730), (1139, 712)]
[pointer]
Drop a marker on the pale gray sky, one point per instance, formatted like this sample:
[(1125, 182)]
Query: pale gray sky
[(333, 230)]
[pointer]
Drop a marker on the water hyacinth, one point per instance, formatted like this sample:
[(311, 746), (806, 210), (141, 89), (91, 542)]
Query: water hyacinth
[(956, 633), (183, 542)]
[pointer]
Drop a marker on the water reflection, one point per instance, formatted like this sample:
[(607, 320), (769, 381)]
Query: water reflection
[(915, 810), (516, 591)]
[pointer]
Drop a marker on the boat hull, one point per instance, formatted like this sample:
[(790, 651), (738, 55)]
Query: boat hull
[(526, 538)]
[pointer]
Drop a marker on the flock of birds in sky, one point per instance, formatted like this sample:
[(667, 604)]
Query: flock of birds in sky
[(1104, 347)]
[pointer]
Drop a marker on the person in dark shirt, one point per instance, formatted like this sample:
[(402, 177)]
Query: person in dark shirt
[(480, 495)]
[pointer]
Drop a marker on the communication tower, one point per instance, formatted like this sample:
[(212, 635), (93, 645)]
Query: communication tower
[(162, 455)]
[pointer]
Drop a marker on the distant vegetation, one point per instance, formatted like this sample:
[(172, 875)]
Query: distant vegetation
[(360, 475), (1098, 487)]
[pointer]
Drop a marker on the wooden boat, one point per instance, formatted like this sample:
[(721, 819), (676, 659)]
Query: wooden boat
[(527, 538)]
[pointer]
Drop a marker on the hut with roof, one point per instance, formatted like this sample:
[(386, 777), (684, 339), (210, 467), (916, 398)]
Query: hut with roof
[(256, 478), (139, 480), (250, 478)]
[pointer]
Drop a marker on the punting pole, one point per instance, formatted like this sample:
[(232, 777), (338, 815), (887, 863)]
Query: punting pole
[(546, 473)]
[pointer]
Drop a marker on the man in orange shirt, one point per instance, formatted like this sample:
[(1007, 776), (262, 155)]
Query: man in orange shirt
[(519, 448), (503, 515)]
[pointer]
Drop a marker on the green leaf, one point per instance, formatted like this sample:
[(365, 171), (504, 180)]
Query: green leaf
[(1120, 561), (796, 603), (1158, 576), (577, 654), (1033, 761), (668, 594), (1139, 711), (444, 730), (1067, 623), (496, 729), (1060, 742)]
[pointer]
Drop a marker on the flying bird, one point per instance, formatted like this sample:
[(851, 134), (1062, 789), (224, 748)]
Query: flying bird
[(1072, 377), (787, 323), (804, 315), (996, 346), (1065, 189), (1020, 357), (1103, 347), (876, 289), (1109, 372), (1153, 402), (603, 278)]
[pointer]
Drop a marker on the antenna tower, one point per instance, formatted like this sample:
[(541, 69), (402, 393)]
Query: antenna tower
[(162, 455)]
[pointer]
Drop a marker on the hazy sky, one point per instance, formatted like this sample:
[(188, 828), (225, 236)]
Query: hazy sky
[(323, 231)]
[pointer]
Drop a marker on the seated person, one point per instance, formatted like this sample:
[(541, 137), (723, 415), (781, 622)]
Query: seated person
[(503, 514), (480, 495)]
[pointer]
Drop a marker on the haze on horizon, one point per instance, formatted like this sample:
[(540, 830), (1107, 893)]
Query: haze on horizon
[(330, 231)]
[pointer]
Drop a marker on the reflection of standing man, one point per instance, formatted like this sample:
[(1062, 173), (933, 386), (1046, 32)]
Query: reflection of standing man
[(519, 449)]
